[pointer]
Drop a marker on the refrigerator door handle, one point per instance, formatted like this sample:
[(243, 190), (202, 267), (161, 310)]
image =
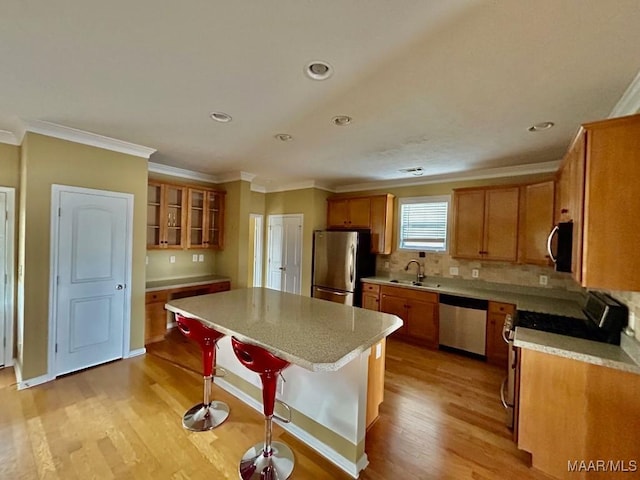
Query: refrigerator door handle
[(549, 240), (352, 263), (340, 294)]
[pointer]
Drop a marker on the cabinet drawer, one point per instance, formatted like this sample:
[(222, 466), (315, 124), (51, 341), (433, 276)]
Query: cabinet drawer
[(370, 287), (409, 293), (504, 308), (159, 296), (219, 287)]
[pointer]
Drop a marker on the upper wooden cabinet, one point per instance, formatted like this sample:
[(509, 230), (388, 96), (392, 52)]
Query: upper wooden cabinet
[(597, 190), (182, 217), (371, 212), (485, 223), (166, 215), (205, 219), (536, 222)]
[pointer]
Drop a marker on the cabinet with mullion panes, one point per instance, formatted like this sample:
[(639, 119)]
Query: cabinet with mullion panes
[(165, 215), (205, 219)]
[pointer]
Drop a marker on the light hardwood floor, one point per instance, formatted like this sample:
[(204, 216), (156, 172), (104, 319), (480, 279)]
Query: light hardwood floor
[(441, 419)]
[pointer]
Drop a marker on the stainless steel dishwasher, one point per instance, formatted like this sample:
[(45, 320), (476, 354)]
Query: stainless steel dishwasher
[(463, 323)]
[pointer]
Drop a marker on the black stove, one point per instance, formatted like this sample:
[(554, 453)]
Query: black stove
[(573, 327), (604, 319)]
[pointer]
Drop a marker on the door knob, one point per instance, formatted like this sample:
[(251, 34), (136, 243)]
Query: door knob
[(282, 268), (119, 286)]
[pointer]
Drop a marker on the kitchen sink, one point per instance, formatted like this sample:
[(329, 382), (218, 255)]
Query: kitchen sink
[(416, 284)]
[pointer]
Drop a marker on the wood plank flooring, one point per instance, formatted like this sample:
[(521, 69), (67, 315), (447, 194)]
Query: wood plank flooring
[(441, 419)]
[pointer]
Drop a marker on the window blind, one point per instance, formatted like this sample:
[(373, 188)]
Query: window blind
[(423, 223)]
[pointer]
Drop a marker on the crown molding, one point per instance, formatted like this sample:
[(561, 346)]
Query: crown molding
[(181, 173), (291, 186), (518, 170), (235, 176), (629, 103), (9, 138), (87, 138)]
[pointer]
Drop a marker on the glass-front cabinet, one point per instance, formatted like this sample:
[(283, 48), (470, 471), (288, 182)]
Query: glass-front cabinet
[(205, 219), (166, 215)]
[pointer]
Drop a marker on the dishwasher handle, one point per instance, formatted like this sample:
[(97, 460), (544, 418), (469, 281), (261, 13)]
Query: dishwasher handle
[(464, 302)]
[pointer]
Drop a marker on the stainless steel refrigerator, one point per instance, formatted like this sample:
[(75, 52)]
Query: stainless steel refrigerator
[(340, 260)]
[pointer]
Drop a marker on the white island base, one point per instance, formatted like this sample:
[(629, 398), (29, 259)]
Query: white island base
[(328, 408)]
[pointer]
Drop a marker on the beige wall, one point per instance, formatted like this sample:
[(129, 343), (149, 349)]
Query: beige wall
[(46, 161), (9, 166), (311, 203)]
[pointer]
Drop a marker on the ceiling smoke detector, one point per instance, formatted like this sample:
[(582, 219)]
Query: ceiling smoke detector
[(283, 137), (415, 171), (220, 117), (318, 70), (538, 127), (341, 120)]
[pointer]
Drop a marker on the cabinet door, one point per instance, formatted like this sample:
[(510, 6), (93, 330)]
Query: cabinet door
[(497, 348), (468, 227), (214, 220), (576, 202), (174, 218), (196, 219), (359, 213), (501, 224), (381, 224), (370, 301), (154, 216), (337, 213), (536, 222), (395, 306), (422, 322)]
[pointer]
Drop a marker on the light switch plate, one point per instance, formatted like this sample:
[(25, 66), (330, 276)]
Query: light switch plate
[(544, 279), (453, 270), (475, 273), (146, 260), (201, 258), (172, 259), (194, 257)]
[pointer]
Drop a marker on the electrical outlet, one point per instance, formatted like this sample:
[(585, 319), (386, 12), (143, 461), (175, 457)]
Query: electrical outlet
[(172, 259), (475, 273), (544, 279), (453, 271), (201, 258), (386, 265), (194, 257), (378, 350), (146, 260)]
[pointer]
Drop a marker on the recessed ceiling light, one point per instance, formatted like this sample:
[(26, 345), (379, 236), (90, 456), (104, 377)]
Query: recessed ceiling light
[(283, 137), (220, 117), (415, 171), (341, 120), (538, 127), (318, 70)]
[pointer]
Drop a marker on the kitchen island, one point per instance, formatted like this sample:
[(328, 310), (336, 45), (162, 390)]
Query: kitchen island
[(328, 345)]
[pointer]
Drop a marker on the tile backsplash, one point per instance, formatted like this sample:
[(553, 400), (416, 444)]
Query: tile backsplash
[(439, 265)]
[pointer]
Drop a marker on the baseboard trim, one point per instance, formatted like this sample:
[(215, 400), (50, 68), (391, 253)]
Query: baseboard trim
[(135, 353), (352, 469)]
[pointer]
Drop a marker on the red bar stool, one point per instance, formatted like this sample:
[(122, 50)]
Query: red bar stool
[(206, 415), (268, 460)]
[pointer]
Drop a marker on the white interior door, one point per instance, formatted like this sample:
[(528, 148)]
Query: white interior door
[(93, 265), (3, 276), (257, 249), (285, 253)]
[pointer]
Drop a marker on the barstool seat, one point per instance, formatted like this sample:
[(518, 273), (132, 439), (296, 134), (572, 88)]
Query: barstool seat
[(208, 414), (269, 460)]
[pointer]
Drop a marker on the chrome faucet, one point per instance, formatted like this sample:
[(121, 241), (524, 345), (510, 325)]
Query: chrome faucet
[(419, 274)]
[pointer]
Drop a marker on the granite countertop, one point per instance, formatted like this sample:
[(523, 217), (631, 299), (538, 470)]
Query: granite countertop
[(544, 300), (156, 285), (625, 357), (314, 334)]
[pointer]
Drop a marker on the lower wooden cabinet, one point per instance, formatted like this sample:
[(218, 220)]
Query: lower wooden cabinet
[(371, 296), (417, 309), (497, 350), (155, 326)]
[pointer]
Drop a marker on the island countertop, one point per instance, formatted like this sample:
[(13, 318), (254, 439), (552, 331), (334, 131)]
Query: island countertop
[(315, 334)]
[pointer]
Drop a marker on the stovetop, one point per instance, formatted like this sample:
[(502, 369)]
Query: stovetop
[(573, 327)]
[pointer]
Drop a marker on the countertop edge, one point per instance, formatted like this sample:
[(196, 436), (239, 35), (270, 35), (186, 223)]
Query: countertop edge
[(546, 342), (184, 282)]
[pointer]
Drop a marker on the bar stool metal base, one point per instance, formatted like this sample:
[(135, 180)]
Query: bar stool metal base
[(201, 418), (277, 466)]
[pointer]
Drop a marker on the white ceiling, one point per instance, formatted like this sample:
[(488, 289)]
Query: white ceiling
[(449, 86)]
